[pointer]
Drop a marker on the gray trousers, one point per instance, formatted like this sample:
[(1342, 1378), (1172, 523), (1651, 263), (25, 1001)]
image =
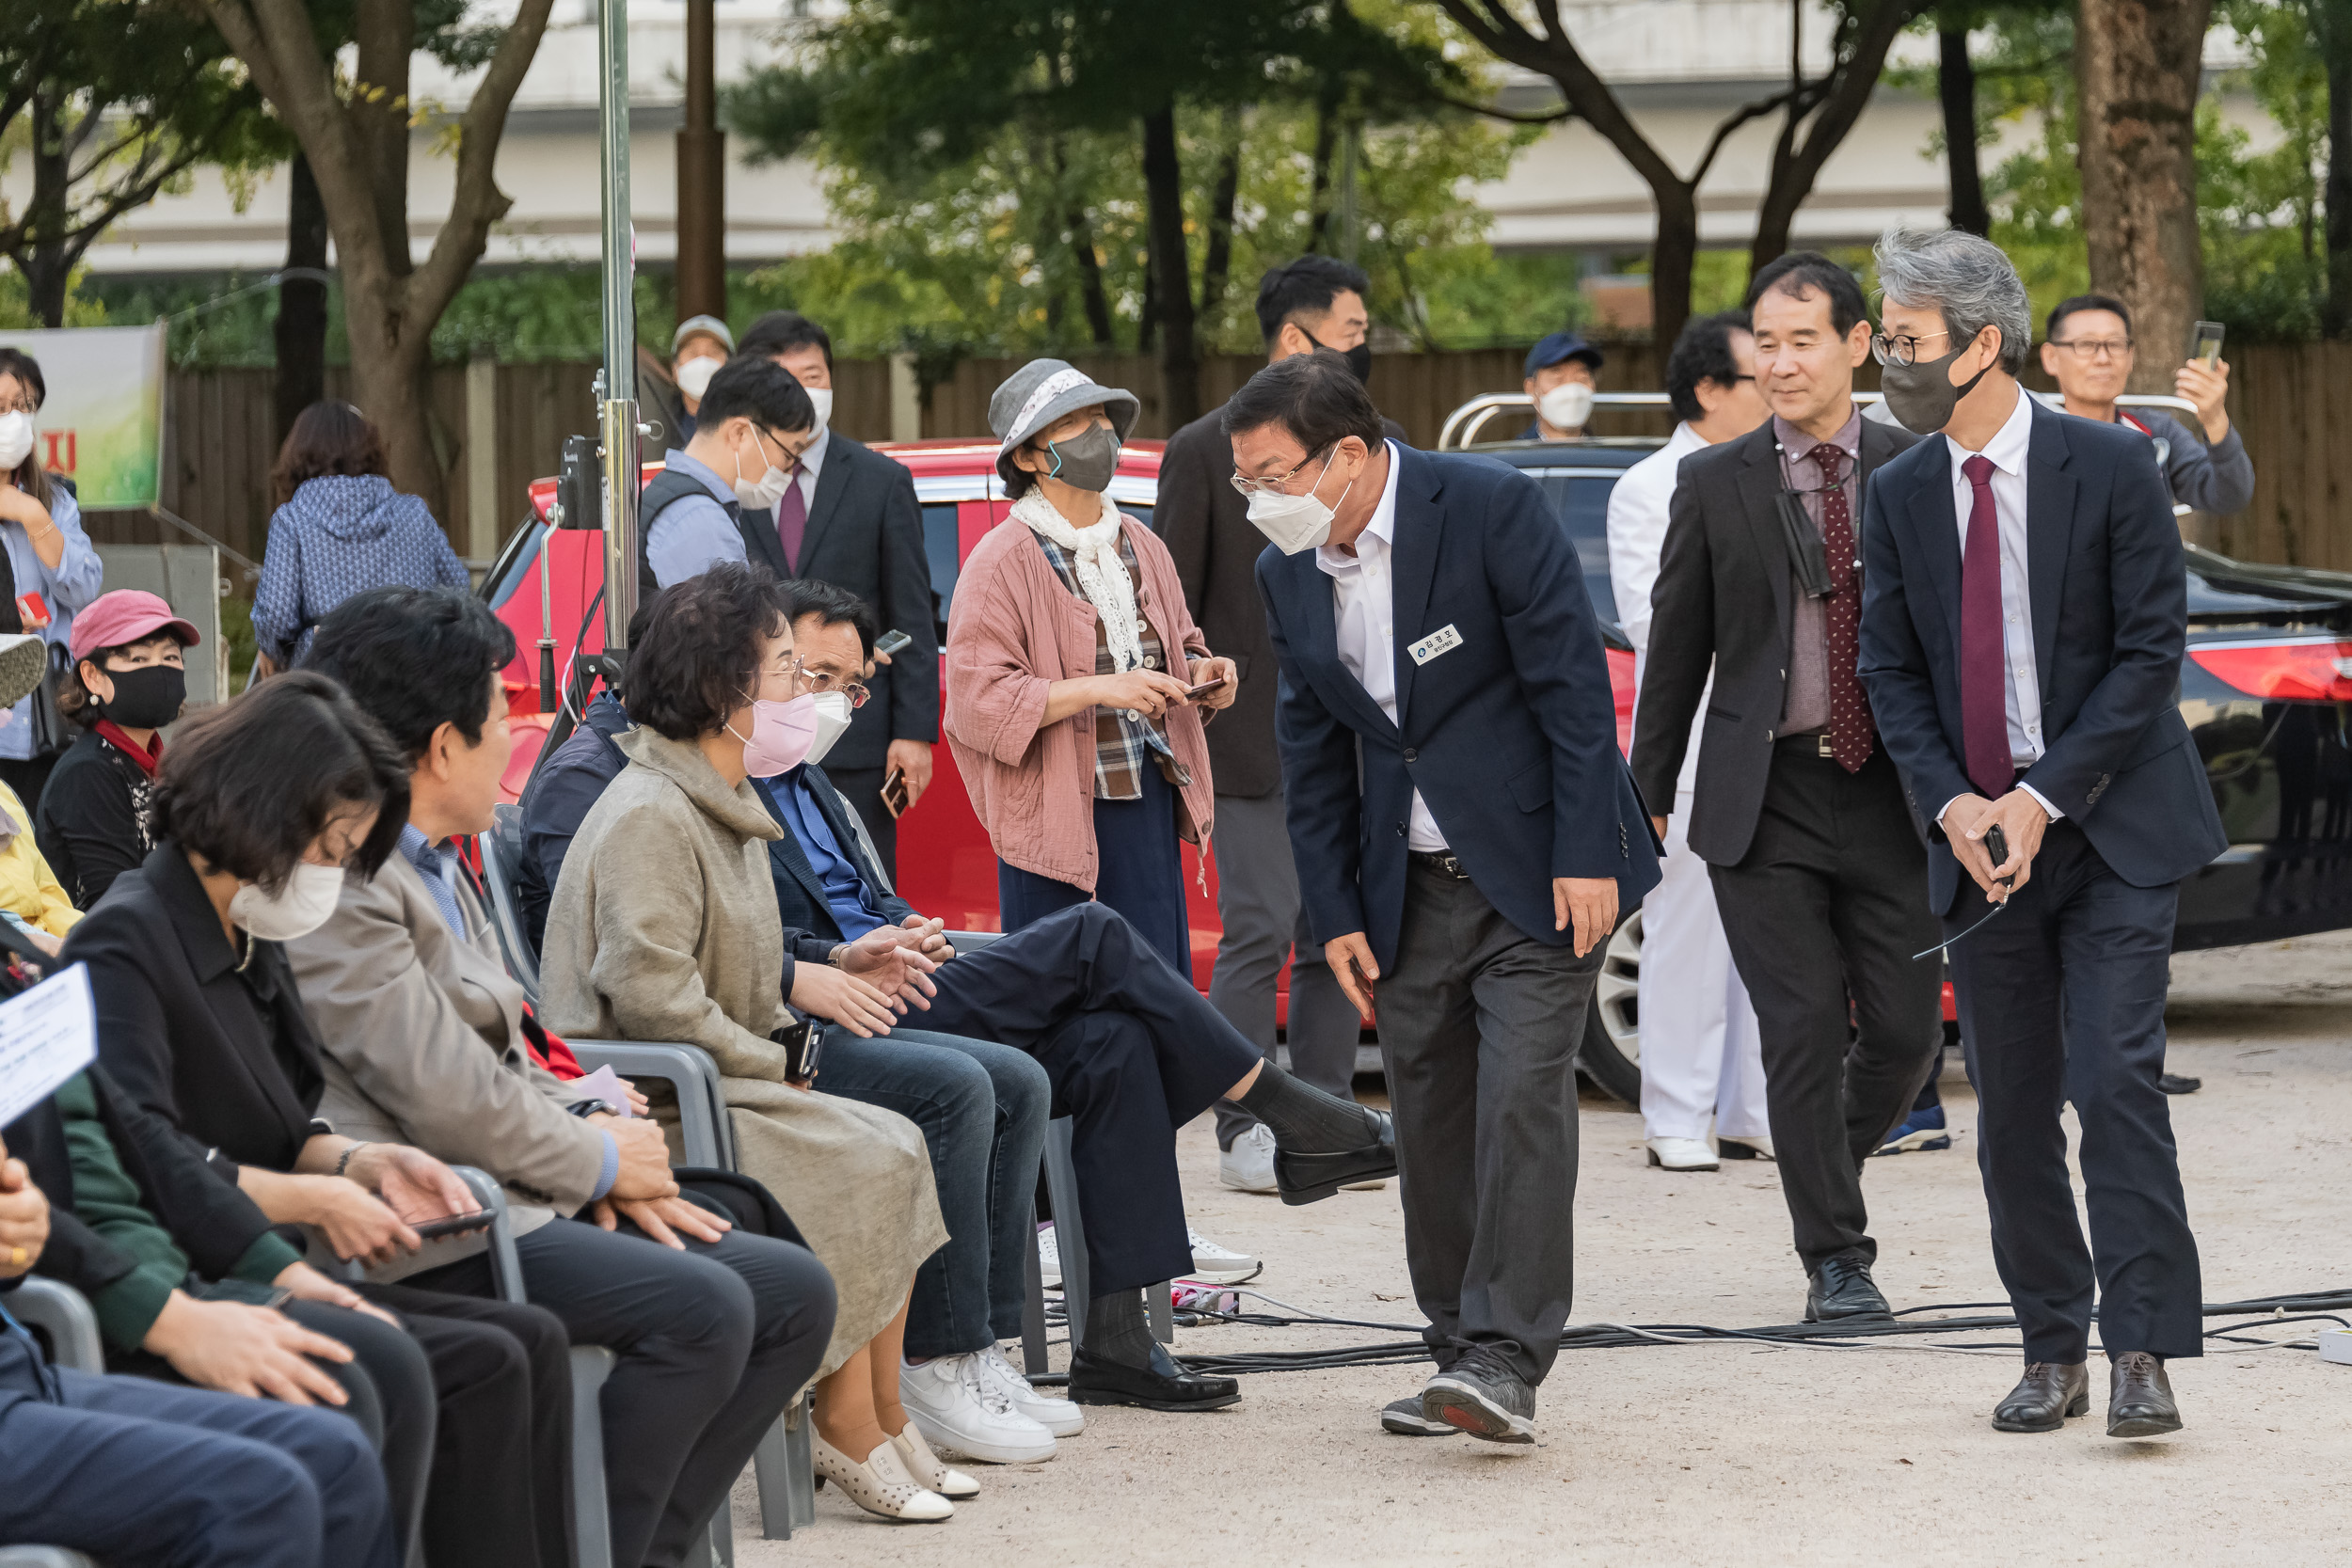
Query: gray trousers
[(1479, 1026), (1257, 901)]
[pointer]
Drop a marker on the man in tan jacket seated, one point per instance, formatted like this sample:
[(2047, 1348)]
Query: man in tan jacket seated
[(716, 1329)]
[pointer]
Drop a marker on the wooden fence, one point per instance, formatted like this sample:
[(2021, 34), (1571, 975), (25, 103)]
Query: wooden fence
[(2292, 402)]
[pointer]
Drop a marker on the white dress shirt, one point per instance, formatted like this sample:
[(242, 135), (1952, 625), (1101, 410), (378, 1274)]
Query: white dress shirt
[(1639, 507), (1363, 610), (2006, 451)]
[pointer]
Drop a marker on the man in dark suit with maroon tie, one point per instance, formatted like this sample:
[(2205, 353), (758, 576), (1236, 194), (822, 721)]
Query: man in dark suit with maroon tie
[(2024, 615)]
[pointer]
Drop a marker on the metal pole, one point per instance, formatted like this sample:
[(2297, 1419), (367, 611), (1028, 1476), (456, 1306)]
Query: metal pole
[(617, 410)]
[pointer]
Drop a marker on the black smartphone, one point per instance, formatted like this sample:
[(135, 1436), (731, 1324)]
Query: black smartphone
[(1206, 688), (2204, 343), (892, 642), (456, 1225), (802, 1042), (894, 792), (1996, 845)]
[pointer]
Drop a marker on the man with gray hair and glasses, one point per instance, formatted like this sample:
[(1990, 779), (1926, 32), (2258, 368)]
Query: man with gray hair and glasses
[(2023, 614)]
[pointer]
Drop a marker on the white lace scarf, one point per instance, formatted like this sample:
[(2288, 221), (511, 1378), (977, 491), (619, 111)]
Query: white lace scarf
[(1094, 551)]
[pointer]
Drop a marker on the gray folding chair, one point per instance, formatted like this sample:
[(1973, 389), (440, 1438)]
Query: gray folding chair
[(501, 850), (59, 1312), (784, 1462)]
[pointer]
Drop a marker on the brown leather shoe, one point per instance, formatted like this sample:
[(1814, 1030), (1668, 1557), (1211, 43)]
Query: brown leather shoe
[(2049, 1393), (2140, 1397)]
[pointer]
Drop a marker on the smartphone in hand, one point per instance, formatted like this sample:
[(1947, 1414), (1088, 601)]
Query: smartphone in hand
[(893, 642), (2204, 344), (894, 792), (1193, 693)]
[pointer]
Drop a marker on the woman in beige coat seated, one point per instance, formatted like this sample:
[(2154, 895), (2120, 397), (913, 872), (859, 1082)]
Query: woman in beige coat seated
[(664, 927)]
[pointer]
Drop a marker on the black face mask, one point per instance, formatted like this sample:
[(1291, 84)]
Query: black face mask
[(147, 698), (1358, 358)]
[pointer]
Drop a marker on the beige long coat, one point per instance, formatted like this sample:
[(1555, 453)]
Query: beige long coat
[(664, 927)]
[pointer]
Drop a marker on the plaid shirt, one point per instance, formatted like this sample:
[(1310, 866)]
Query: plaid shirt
[(1121, 738)]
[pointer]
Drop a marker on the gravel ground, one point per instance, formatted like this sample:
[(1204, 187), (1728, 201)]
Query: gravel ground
[(1739, 1452)]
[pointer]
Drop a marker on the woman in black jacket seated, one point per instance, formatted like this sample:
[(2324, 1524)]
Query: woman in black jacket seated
[(261, 804)]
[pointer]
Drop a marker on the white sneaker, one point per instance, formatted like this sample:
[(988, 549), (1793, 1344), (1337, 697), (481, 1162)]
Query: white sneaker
[(1681, 1153), (1214, 1265), (1061, 1417), (955, 1404), (1048, 1257), (1248, 1166), (1754, 1146)]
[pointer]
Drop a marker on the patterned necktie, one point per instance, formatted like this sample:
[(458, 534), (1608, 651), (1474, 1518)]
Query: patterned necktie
[(1851, 728), (791, 522), (1983, 689)]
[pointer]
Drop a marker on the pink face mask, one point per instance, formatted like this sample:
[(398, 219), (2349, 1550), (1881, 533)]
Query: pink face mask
[(781, 735)]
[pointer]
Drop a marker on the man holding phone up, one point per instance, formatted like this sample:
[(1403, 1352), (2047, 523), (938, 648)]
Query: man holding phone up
[(2024, 609), (1466, 834)]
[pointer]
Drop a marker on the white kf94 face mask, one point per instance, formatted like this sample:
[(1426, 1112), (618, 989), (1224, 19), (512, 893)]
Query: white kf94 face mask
[(1295, 523), (1566, 406), (832, 722), (294, 911), (17, 431)]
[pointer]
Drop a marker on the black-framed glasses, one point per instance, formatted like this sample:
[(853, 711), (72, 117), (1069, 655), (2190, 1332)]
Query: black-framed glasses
[(1272, 485), (2094, 348), (824, 680), (1903, 350)]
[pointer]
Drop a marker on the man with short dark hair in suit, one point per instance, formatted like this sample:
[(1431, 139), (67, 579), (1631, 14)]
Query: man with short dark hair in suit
[(2022, 635), (850, 517), (1315, 302), (1466, 834), (1820, 870)]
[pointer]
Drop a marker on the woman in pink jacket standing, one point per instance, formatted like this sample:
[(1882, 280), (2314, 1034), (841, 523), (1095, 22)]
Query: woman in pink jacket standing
[(1071, 655)]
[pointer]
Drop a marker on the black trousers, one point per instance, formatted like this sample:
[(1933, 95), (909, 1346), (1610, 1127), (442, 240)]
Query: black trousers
[(1133, 1052), (1479, 1026), (862, 789), (711, 1342), (1823, 916), (2063, 998), (498, 1493)]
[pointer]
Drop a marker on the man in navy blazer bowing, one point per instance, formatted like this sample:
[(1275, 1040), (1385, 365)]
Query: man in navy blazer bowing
[(1466, 835), (2024, 613)]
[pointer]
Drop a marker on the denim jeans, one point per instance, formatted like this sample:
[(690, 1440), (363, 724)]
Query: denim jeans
[(982, 1108)]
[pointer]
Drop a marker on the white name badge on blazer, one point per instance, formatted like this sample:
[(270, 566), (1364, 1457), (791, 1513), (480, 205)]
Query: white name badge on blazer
[(1443, 640)]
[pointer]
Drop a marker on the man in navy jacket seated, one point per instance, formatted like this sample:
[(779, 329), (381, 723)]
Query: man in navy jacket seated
[(1131, 1049)]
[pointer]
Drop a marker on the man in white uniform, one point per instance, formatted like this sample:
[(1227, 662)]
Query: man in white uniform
[(1700, 1051)]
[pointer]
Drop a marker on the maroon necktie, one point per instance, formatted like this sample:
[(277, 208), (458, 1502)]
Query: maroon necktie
[(791, 522), (1850, 730), (1983, 656)]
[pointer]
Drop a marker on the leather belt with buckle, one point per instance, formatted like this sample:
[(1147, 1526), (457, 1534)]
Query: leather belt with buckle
[(1438, 861), (1814, 745)]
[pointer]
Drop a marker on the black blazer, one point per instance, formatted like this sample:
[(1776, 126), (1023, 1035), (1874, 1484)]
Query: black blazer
[(1510, 734), (865, 534), (800, 896), (227, 1058), (2110, 620), (1723, 603), (213, 1222)]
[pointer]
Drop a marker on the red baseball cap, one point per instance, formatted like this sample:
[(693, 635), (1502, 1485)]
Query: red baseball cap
[(125, 616)]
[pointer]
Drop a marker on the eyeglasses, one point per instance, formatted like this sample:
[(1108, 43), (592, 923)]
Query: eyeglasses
[(789, 667), (1900, 351), (1273, 485), (2094, 348), (824, 680)]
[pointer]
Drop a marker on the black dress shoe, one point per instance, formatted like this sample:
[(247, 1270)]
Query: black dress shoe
[(2140, 1397), (2173, 1082), (1841, 1288), (1097, 1382), (1312, 1177), (2049, 1393)]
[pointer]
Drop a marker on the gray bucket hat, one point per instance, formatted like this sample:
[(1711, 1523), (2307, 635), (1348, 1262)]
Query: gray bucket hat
[(708, 325), (1040, 392)]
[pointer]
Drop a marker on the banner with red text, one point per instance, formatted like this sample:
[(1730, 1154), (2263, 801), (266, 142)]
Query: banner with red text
[(102, 426)]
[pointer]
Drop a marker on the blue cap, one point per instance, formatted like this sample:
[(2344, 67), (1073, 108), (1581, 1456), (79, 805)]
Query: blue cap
[(1558, 346)]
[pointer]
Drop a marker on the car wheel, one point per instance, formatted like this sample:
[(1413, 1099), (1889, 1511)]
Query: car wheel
[(1611, 1054)]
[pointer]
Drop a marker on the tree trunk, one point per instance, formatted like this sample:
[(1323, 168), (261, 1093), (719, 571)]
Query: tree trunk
[(1956, 85), (2137, 67), (386, 31), (300, 330), (1673, 255), (702, 188), (48, 263), (1091, 294), (1219, 263), (2333, 23), (391, 379), (1171, 268), (1319, 194)]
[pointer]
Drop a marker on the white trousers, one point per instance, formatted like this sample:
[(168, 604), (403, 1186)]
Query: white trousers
[(1701, 1053)]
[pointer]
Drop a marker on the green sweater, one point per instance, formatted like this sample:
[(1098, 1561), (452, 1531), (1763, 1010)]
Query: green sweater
[(109, 1202)]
